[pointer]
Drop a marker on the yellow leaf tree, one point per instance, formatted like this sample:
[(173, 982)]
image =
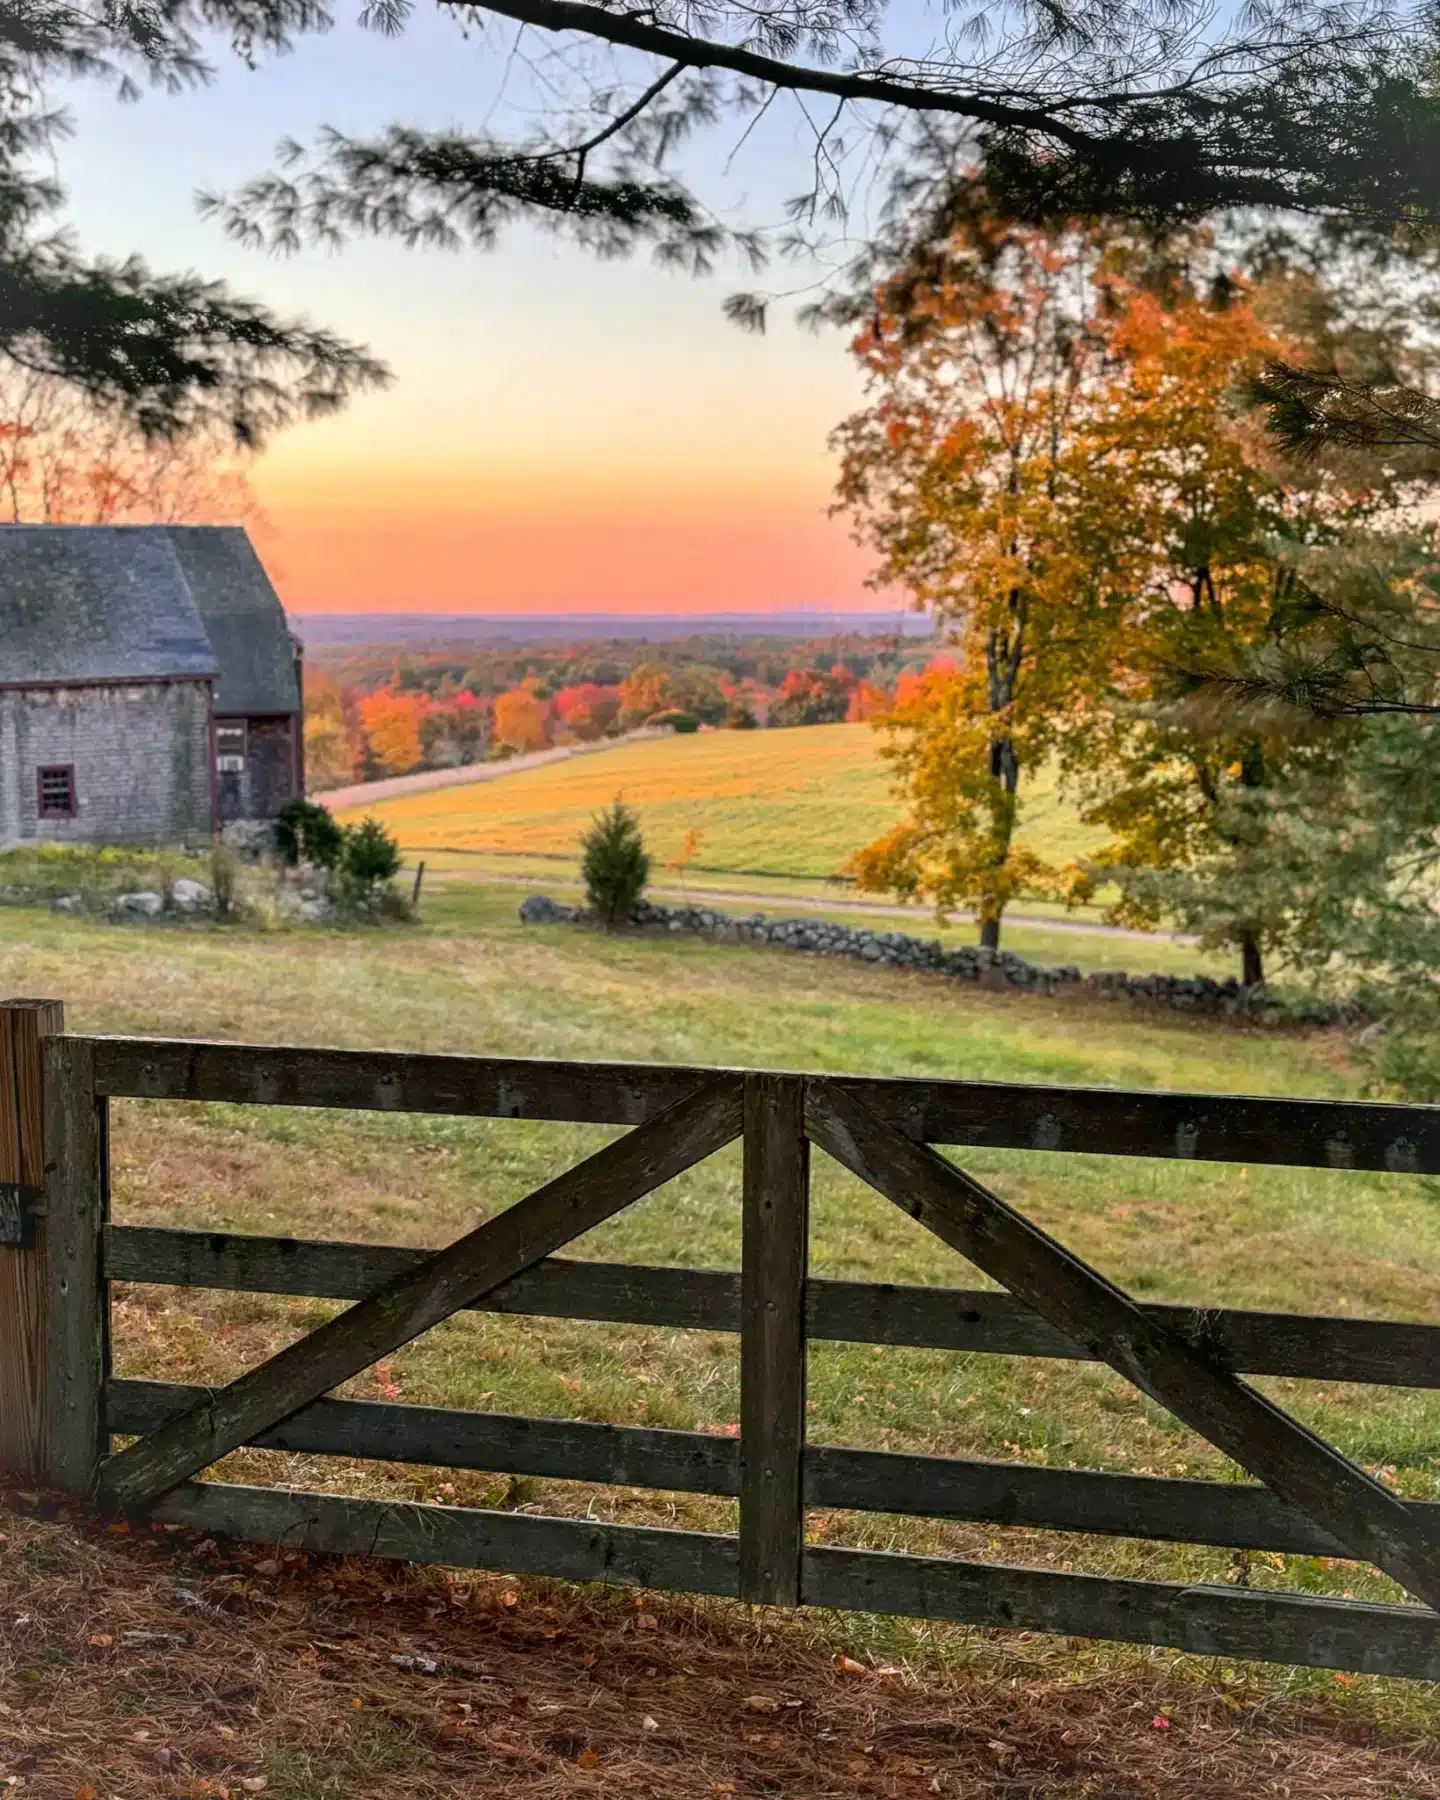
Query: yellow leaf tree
[(983, 366)]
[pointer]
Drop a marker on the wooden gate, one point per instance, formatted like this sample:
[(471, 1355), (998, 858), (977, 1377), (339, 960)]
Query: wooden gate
[(59, 1405)]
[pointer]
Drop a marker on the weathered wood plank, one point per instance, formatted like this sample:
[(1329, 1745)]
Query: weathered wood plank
[(775, 1249), (24, 1294), (391, 1080), (1386, 1352), (701, 1299), (563, 1209), (1140, 1506), (1335, 1134), (689, 1562), (1227, 1514), (1207, 1621), (1291, 1460), (1383, 1351), (78, 1336), (502, 1443), (1002, 1115), (1237, 1622)]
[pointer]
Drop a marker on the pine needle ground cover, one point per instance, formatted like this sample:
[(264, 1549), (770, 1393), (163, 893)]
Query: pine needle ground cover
[(156, 1666), (1289, 1239)]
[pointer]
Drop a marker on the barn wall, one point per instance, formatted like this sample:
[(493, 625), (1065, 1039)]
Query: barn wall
[(141, 755), (269, 779)]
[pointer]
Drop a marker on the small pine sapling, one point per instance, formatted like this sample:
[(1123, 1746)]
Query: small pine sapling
[(369, 861), (615, 864)]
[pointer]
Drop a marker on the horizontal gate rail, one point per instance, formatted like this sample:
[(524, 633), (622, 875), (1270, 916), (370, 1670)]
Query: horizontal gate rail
[(1230, 1515), (1207, 1621), (1382, 1352), (1336, 1134), (1187, 1359)]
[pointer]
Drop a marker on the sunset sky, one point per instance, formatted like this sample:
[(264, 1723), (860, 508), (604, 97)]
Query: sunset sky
[(562, 434)]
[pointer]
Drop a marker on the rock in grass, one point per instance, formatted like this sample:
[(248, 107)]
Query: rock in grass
[(144, 905), (190, 896), (540, 909)]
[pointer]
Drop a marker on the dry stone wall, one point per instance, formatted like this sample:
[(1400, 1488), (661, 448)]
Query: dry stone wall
[(1001, 969)]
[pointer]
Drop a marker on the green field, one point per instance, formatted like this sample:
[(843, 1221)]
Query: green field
[(793, 803), (472, 979), (777, 813)]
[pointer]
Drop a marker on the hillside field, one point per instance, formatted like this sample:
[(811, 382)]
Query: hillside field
[(789, 803)]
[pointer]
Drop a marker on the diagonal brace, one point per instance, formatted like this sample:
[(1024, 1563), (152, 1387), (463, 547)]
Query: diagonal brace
[(495, 1252), (1291, 1460)]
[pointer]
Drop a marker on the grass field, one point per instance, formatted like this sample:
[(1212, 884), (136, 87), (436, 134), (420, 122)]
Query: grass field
[(778, 813), (473, 980), (793, 803)]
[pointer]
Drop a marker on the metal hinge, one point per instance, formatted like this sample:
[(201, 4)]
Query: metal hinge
[(20, 1207)]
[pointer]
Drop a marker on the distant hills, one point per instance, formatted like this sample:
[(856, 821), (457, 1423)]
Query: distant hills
[(332, 631)]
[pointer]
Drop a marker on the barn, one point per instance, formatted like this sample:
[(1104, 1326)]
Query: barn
[(150, 689)]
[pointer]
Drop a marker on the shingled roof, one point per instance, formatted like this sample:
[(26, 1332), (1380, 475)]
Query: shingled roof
[(111, 602), (96, 603), (243, 617)]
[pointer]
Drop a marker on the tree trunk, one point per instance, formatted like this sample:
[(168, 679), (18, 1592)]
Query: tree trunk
[(990, 933), (1252, 968)]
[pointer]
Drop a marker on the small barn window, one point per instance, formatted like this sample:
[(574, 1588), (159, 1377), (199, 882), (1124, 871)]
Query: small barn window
[(56, 791), (230, 748)]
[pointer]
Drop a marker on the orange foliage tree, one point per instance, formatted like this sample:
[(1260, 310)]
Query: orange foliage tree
[(1213, 516), (391, 723), (333, 756), (1061, 460), (521, 720), (982, 372), (646, 691)]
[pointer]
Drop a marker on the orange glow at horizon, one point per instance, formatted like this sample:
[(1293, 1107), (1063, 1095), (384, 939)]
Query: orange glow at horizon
[(728, 556)]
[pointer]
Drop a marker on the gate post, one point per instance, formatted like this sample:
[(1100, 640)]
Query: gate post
[(52, 1316), (772, 1339), (24, 1300)]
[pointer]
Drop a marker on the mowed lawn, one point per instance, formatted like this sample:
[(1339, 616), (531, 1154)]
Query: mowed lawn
[(794, 803), (472, 979)]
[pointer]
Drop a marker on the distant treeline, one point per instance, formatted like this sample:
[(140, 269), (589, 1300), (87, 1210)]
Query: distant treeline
[(377, 712)]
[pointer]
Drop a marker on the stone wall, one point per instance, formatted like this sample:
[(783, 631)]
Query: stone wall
[(995, 969), (140, 752)]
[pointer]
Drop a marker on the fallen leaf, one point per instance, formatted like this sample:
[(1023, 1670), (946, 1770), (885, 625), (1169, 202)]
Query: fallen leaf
[(760, 1703), (510, 1598), (254, 1784), (647, 1621), (649, 1724), (102, 1640), (1159, 1723), (1344, 1679), (588, 1759), (270, 1566), (847, 1665), (85, 1792), (168, 1759)]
